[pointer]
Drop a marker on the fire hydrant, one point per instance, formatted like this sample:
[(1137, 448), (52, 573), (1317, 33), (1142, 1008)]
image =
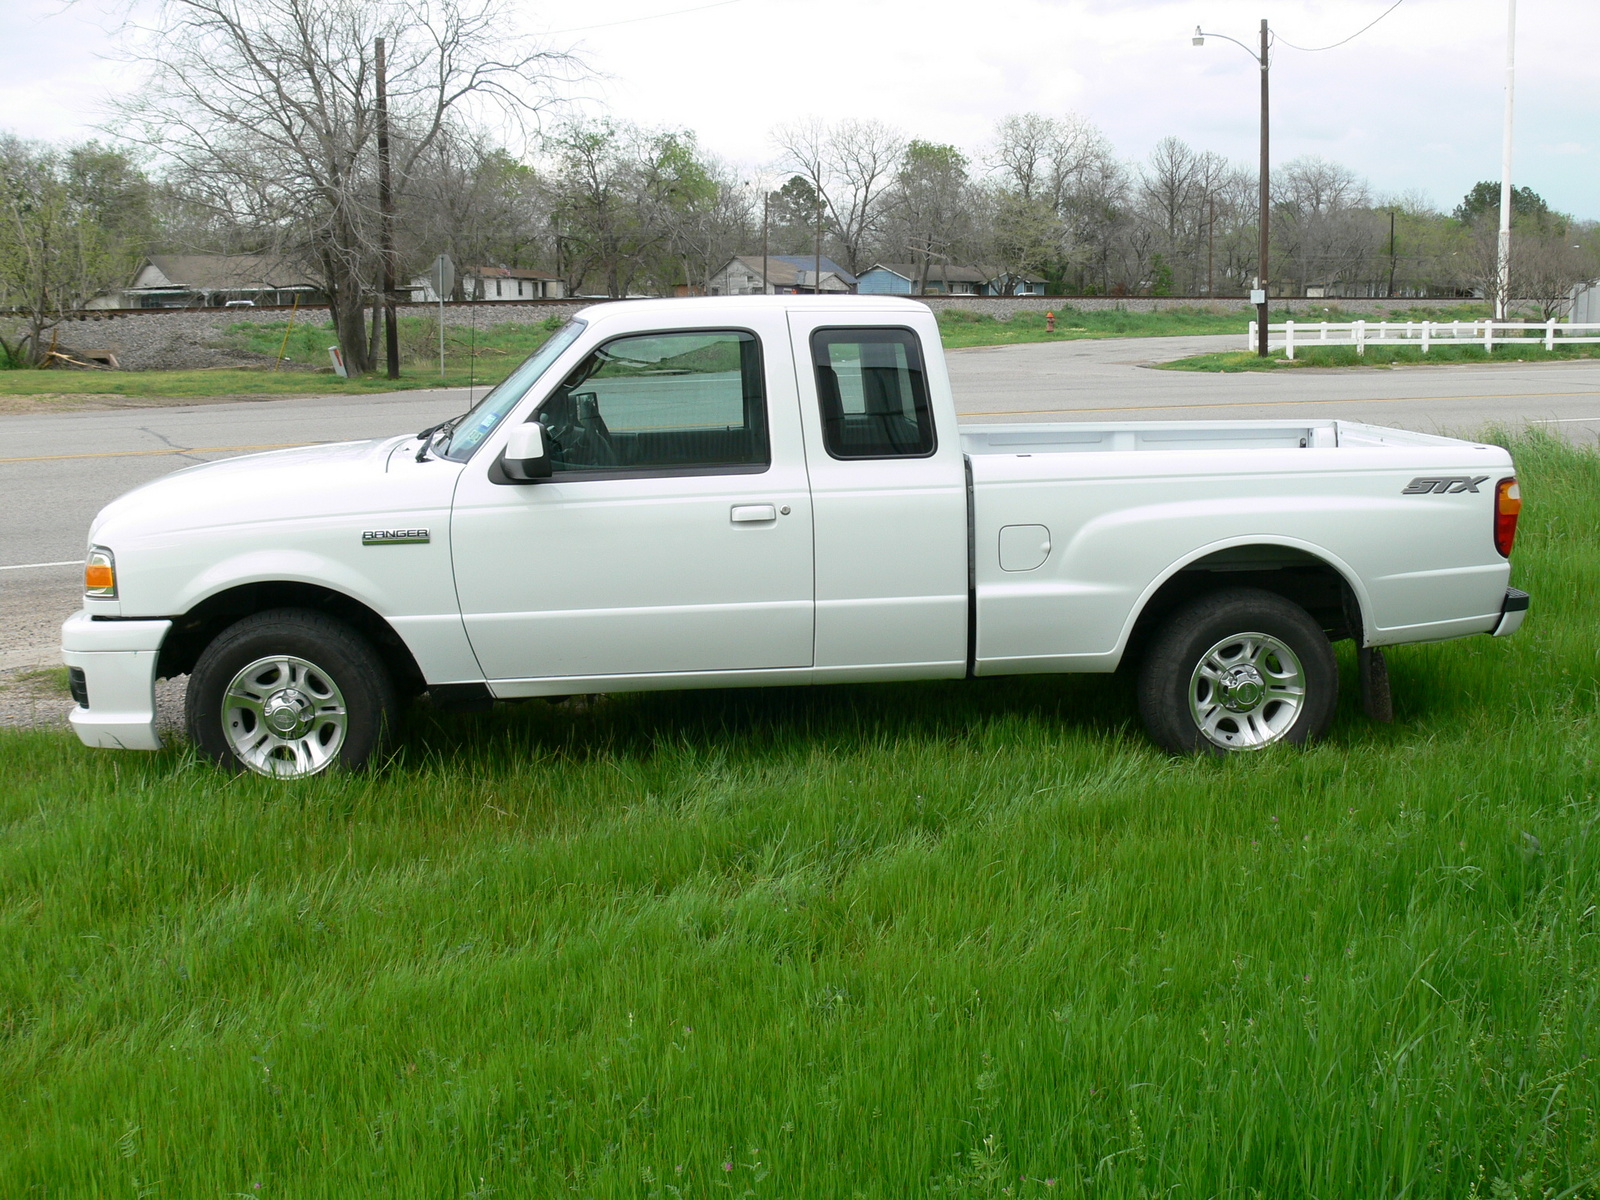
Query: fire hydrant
[(1049, 322)]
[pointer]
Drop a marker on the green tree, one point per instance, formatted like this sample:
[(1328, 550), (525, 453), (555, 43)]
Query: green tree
[(626, 203), (71, 225), (928, 209), (1484, 197)]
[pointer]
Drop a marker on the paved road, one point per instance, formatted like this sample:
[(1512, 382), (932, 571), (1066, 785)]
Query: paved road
[(57, 470)]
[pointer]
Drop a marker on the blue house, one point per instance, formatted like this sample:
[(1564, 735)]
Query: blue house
[(940, 279)]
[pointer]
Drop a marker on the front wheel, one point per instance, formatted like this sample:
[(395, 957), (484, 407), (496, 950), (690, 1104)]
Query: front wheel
[(1240, 669), (289, 693)]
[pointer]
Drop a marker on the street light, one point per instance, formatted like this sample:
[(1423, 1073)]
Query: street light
[(1260, 296)]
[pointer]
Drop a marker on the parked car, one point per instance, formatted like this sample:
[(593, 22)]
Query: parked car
[(755, 491)]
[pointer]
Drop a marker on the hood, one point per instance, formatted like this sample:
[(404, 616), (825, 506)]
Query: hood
[(306, 481)]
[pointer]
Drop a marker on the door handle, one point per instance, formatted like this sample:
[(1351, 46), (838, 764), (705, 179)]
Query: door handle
[(753, 512)]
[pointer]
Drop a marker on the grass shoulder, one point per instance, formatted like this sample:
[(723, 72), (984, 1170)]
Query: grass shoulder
[(1313, 358)]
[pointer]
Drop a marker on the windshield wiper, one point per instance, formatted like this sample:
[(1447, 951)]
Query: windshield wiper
[(432, 431)]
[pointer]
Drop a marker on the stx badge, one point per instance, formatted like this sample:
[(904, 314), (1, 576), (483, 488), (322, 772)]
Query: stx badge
[(1454, 484), (393, 537)]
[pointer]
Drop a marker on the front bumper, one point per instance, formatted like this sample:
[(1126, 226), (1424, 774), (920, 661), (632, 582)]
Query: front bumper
[(113, 664), (1512, 611)]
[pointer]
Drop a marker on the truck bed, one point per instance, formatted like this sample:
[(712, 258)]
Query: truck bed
[(1066, 438)]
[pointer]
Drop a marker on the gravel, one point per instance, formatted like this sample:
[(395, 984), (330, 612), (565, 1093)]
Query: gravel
[(37, 698)]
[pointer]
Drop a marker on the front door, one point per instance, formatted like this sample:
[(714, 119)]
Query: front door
[(675, 534)]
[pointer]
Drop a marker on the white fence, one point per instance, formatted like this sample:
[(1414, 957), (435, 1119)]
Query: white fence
[(1299, 335)]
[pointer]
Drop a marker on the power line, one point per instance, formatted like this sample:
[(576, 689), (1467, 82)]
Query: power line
[(1351, 38), (635, 20)]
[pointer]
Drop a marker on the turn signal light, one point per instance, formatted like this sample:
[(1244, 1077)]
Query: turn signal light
[(100, 574), (1507, 507)]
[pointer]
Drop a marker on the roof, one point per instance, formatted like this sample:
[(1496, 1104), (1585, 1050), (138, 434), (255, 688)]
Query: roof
[(219, 273), (508, 273), (687, 309), (785, 269)]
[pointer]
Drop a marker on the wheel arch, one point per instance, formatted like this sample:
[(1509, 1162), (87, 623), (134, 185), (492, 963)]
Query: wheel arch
[(1305, 574), (192, 632)]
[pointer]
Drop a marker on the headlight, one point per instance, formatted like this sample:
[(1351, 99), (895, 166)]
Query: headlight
[(100, 574)]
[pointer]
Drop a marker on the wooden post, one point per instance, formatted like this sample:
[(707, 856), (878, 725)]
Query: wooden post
[(1359, 329), (1288, 340)]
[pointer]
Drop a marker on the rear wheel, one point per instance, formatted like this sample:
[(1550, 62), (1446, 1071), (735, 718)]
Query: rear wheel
[(289, 693), (1240, 669)]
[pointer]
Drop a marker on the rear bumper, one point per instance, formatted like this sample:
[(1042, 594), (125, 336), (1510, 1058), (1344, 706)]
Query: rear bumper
[(113, 665), (1512, 610)]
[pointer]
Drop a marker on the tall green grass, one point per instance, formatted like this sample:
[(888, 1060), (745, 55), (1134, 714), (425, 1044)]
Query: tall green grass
[(915, 940)]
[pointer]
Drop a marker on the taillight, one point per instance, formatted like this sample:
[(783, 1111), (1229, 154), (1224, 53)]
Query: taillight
[(1507, 506)]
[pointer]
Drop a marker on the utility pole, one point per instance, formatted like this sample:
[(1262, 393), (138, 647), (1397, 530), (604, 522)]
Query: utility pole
[(1266, 185), (766, 199), (816, 282), (1503, 257), (1264, 63), (1391, 253), (1211, 232), (391, 335)]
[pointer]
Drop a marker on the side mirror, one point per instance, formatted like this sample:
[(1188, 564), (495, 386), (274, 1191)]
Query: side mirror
[(527, 455)]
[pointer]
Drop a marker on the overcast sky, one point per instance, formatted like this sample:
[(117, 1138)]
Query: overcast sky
[(1414, 103)]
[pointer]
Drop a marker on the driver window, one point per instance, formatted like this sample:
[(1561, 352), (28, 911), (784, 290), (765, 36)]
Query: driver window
[(663, 403)]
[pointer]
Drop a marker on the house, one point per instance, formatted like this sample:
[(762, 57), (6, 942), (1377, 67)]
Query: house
[(787, 275), (213, 281), (1008, 283), (907, 279), (494, 283)]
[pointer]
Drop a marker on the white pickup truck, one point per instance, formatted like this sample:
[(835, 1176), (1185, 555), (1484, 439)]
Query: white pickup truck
[(770, 491)]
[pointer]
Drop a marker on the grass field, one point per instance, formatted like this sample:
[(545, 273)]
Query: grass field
[(487, 355), (916, 940), (1377, 356), (961, 328)]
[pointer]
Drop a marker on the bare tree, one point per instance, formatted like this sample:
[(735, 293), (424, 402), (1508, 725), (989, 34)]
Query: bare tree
[(265, 109), (850, 166), (1325, 226), (1548, 259), (475, 202), (1060, 192)]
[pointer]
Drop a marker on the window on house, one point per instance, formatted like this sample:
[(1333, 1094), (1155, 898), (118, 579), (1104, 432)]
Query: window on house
[(872, 393)]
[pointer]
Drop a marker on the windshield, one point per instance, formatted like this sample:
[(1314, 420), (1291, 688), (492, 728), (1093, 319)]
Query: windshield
[(478, 424)]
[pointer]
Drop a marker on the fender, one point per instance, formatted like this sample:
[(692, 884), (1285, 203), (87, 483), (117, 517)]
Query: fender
[(1351, 579)]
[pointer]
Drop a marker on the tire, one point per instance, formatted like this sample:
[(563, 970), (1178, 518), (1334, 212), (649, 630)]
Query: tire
[(289, 693), (1238, 670)]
